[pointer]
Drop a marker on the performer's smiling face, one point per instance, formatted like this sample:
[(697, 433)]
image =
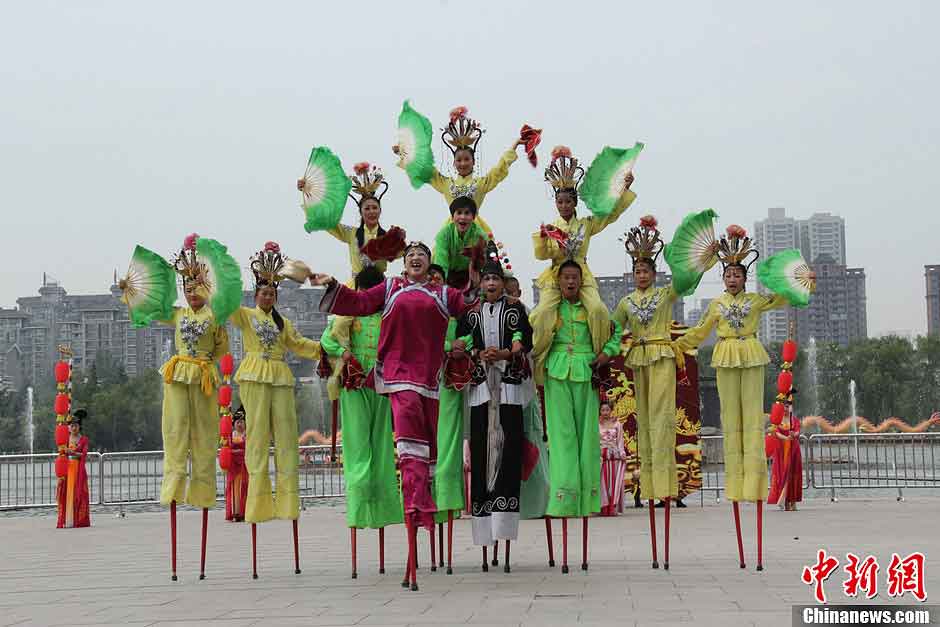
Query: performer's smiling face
[(370, 211), (605, 411), (265, 297), (566, 202), (193, 297), (569, 280), (463, 218), (735, 279), (416, 264), (492, 285), (463, 162), (643, 275)]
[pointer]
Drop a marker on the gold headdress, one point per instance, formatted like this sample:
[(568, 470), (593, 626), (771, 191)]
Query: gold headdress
[(187, 265), (268, 265), (643, 242), (367, 180), (563, 173), (463, 132), (735, 247)]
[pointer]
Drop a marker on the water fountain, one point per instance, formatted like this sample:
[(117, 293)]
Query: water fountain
[(30, 427), (854, 416), (811, 356)]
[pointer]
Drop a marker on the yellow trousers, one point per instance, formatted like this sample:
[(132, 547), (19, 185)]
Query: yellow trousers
[(545, 314), (269, 410), (655, 386), (190, 431), (741, 391)]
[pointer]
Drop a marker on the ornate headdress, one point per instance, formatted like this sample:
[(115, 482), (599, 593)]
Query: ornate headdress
[(463, 132), (417, 244), (735, 247), (564, 173), (186, 263), (367, 180), (267, 265), (492, 263), (643, 242)]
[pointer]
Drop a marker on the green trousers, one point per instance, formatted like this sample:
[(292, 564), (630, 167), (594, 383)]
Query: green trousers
[(572, 409), (448, 484)]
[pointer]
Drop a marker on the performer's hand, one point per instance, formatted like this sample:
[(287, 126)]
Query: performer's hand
[(519, 142), (322, 280), (601, 360), (517, 347), (347, 356), (458, 346), (300, 185), (395, 149), (628, 180)]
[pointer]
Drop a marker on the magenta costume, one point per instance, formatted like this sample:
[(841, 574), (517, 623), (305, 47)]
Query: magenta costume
[(407, 369)]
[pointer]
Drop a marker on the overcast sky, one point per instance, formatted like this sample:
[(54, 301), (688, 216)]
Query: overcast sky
[(125, 123)]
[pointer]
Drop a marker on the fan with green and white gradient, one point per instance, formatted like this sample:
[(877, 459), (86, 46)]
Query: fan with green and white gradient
[(603, 181), (149, 288), (414, 146), (324, 187), (788, 275), (692, 251), (223, 280)]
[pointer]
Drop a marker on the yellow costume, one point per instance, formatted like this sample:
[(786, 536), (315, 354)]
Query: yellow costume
[(347, 235), (190, 408), (739, 359), (545, 314), (477, 187), (266, 388)]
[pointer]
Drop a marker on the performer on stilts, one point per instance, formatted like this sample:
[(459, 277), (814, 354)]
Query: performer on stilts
[(407, 369), (372, 496), (740, 359), (266, 388), (501, 338), (654, 358), (572, 405), (212, 286), (236, 476), (462, 137)]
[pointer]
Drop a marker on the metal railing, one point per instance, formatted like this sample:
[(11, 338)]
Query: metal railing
[(712, 468), (128, 478)]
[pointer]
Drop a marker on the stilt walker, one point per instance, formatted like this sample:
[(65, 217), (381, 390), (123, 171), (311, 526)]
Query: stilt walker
[(740, 359), (572, 408), (500, 341), (212, 286), (266, 387), (407, 369), (654, 358)]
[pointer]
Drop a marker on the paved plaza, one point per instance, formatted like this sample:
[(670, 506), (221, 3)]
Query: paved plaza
[(117, 572)]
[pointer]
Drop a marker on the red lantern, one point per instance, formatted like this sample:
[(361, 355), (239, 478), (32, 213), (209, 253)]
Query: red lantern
[(61, 404), (776, 413), (771, 443), (784, 382), (226, 364), (225, 395), (61, 371), (225, 426), (61, 466), (61, 434), (789, 351), (225, 458)]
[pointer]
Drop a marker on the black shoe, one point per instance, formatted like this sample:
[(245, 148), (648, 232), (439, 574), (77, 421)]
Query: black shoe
[(680, 504), (660, 504)]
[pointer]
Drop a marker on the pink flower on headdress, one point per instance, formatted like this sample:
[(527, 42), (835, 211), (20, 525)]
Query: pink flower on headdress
[(736, 230), (272, 247), (649, 222), (190, 242), (560, 151), (361, 168), (457, 112)]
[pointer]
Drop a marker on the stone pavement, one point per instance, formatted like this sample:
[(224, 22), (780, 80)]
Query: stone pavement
[(117, 572)]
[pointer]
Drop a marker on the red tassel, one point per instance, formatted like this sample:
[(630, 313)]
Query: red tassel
[(61, 404), (225, 395), (789, 351), (62, 371), (61, 434), (776, 413), (227, 364)]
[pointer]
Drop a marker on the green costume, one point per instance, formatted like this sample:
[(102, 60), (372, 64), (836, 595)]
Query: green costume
[(372, 496), (572, 407), (448, 484), (450, 243), (533, 493)]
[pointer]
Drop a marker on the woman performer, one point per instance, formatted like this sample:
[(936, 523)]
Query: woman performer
[(613, 466), (739, 359), (653, 358), (236, 478), (786, 471), (407, 369), (569, 238), (571, 404), (266, 388), (501, 337), (462, 136), (372, 496), (72, 491)]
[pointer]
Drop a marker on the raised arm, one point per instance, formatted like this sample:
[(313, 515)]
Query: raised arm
[(335, 340), (499, 171), (221, 341), (342, 232), (240, 319), (766, 303), (626, 199), (344, 301)]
